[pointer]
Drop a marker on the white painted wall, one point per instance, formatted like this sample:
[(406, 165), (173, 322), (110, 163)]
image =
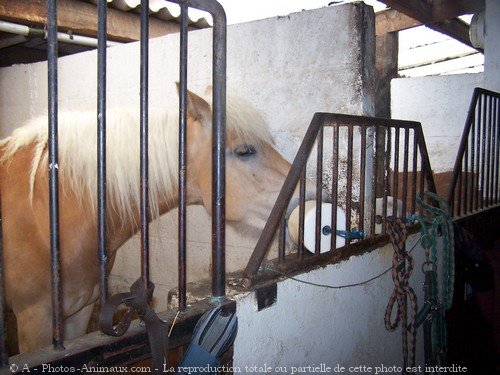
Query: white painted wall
[(492, 45), (440, 104), (287, 67), (311, 325)]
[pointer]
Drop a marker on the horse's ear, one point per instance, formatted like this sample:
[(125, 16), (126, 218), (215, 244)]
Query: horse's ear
[(197, 107)]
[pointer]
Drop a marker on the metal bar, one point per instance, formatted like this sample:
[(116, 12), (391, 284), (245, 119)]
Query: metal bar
[(362, 178), (387, 175), (484, 126), (488, 151), (348, 202), (375, 167), (471, 138), (4, 355), (182, 219), (395, 186), (57, 314), (218, 149), (144, 99), (405, 172), (478, 147), (282, 240), (101, 150), (319, 191), (463, 198), (335, 192), (426, 165), (415, 174), (302, 198), (497, 148)]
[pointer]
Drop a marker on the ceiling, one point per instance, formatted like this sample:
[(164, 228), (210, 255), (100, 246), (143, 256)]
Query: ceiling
[(78, 18)]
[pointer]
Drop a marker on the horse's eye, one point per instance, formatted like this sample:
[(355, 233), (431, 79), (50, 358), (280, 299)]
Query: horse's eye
[(245, 150)]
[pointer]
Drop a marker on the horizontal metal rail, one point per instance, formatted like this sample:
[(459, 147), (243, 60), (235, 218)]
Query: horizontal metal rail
[(476, 174), (356, 170)]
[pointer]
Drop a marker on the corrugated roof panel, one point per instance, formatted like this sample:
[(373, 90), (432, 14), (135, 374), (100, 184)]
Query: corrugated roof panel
[(163, 10)]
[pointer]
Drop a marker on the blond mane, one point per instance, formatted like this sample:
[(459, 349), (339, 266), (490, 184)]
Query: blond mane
[(78, 151)]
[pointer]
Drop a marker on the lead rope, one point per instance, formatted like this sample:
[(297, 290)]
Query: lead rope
[(434, 222), (402, 267)]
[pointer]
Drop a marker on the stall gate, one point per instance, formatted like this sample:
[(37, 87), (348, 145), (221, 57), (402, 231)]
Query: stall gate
[(96, 348)]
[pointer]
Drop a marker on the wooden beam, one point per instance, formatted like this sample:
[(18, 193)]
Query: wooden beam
[(438, 10), (390, 20), (81, 18), (428, 14)]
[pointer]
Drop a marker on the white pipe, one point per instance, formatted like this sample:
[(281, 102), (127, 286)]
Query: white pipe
[(26, 31)]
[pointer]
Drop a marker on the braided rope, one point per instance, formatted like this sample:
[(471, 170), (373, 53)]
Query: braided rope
[(436, 221), (402, 267)]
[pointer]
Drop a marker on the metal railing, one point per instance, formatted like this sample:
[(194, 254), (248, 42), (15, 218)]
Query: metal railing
[(371, 160), (476, 174), (218, 166)]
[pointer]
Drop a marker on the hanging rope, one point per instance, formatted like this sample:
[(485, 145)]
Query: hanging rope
[(402, 267), (436, 221)]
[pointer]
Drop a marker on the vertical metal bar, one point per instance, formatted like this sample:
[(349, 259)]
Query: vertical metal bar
[(484, 125), (319, 191), (488, 152), (144, 98), (497, 147), (395, 186), (219, 157), (53, 176), (375, 174), (387, 177), (335, 192), (478, 146), (302, 198), (182, 220), (471, 137), (362, 178), (348, 203), (463, 198), (4, 356), (405, 171), (282, 240), (415, 174), (101, 150)]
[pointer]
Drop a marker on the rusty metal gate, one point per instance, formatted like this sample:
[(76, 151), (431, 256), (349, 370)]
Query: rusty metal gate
[(133, 343)]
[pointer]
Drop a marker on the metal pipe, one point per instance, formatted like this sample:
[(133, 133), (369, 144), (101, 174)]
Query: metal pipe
[(30, 32), (144, 98), (335, 188), (362, 179), (4, 356), (319, 192), (101, 150), (348, 201), (57, 327), (219, 152), (182, 157)]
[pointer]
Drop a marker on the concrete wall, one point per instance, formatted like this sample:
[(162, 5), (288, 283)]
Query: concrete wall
[(492, 45), (287, 67), (314, 325), (441, 104)]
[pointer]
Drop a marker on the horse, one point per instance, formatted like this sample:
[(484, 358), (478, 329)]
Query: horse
[(255, 172)]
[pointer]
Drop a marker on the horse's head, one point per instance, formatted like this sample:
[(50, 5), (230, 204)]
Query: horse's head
[(255, 171)]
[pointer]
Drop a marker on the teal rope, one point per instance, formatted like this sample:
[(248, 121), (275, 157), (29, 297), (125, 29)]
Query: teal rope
[(436, 221), (432, 222)]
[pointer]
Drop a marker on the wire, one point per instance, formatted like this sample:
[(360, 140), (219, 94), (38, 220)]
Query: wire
[(339, 286)]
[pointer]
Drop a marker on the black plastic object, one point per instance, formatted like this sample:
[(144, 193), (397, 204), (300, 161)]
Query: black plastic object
[(213, 335)]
